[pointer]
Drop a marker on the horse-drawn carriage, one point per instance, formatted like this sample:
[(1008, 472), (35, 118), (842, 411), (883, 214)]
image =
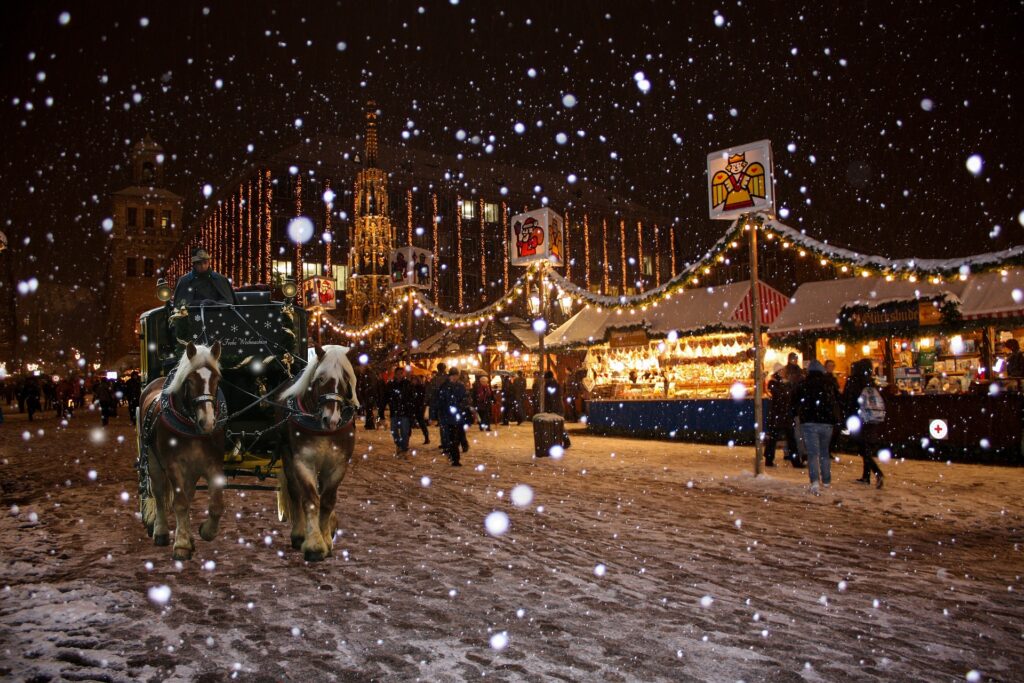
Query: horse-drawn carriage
[(229, 389)]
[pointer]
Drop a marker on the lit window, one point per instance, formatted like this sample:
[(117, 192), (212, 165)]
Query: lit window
[(165, 220), (468, 209), (648, 266), (491, 214), (282, 268)]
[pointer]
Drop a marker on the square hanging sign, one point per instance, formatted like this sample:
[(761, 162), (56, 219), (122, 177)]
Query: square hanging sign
[(740, 181), (318, 292), (411, 267), (536, 236)]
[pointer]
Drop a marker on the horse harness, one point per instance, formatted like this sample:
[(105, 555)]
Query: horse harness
[(305, 421), (181, 423)]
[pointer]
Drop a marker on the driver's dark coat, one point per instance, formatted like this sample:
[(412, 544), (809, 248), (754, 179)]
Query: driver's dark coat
[(209, 286)]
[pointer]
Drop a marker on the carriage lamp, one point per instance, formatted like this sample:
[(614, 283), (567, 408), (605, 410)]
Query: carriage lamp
[(565, 303), (163, 290), (288, 288), (502, 347)]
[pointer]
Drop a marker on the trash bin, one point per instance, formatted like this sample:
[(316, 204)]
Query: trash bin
[(548, 431)]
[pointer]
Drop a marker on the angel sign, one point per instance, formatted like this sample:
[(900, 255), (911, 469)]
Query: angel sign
[(740, 180)]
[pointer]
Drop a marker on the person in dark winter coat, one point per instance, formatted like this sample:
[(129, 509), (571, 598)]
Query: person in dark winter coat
[(104, 394), (867, 435), (552, 396), (132, 392), (438, 378), (817, 409), (399, 397), (419, 405), (32, 394), (451, 405), (517, 402), (779, 425), (366, 392), (203, 284)]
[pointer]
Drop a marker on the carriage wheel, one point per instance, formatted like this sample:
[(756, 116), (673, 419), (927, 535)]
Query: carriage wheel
[(282, 507)]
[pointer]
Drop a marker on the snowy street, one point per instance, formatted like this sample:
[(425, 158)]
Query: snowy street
[(634, 560)]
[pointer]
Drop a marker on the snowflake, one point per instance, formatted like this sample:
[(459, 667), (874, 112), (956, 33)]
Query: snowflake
[(234, 328)]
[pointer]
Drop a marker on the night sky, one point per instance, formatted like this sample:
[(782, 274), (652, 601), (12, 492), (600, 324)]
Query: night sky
[(873, 108)]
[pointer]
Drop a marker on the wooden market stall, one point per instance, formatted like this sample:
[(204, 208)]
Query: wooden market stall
[(937, 348), (681, 369)]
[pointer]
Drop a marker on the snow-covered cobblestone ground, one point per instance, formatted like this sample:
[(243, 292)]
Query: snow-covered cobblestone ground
[(631, 560)]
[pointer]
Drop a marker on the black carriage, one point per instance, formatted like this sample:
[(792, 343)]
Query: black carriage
[(263, 344)]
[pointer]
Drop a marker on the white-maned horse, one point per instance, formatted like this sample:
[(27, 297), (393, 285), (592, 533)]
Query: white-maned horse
[(186, 443), (316, 449)]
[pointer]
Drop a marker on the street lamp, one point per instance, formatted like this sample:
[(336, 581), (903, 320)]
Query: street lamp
[(565, 303), (288, 288), (533, 303)]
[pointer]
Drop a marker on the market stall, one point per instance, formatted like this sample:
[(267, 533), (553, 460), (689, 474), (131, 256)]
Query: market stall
[(682, 368), (925, 340), (503, 344)]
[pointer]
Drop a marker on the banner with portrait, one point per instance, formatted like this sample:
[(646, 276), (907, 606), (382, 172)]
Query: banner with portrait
[(411, 267), (740, 181), (537, 236), (318, 292)]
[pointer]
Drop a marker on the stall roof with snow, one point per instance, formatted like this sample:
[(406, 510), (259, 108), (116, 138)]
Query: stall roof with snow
[(819, 306), (691, 311)]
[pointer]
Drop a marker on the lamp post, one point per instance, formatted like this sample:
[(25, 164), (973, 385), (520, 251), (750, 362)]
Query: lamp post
[(755, 320)]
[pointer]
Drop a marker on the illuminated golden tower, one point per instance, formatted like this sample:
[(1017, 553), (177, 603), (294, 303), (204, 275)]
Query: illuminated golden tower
[(373, 238)]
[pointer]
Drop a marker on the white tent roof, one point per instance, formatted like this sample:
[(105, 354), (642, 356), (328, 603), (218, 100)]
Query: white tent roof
[(992, 296), (816, 305), (687, 311)]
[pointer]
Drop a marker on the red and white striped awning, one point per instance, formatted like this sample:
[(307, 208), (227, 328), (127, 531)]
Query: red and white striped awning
[(772, 302)]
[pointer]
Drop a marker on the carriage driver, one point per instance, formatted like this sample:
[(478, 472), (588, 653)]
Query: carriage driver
[(203, 284)]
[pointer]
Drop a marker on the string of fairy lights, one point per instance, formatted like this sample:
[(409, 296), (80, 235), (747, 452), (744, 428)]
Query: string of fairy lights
[(844, 261)]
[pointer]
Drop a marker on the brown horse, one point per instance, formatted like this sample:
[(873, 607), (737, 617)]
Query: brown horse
[(318, 414), (185, 442)]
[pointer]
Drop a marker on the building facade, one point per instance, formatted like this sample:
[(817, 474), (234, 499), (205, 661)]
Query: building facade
[(364, 196), (146, 230)]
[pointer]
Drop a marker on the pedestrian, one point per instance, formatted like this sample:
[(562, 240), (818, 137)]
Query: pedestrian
[(483, 401), (366, 392), (865, 411), (518, 398), (451, 402), (794, 374), (552, 395), (104, 395), (468, 412), (132, 392), (506, 399), (32, 394), (419, 391), (436, 380), (818, 411), (779, 425), (400, 402)]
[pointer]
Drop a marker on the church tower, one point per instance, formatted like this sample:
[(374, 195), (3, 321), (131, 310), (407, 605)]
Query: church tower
[(373, 237), (146, 227)]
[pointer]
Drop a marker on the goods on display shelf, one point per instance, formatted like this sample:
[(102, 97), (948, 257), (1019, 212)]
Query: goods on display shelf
[(924, 338), (703, 367)]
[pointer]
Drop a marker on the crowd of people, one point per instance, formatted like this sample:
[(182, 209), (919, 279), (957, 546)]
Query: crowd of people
[(36, 395), (808, 410), (452, 402)]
